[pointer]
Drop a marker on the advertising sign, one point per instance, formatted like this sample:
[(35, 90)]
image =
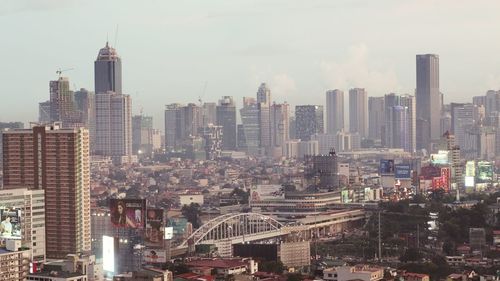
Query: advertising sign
[(154, 227), (108, 253), (470, 168), (178, 224), (440, 158), (155, 256), (10, 223), (469, 181), (169, 233), (129, 213), (402, 171), (386, 167), (484, 171), (345, 196), (263, 192)]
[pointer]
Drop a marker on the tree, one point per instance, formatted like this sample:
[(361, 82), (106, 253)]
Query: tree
[(410, 255), (272, 266), (192, 214), (241, 195)]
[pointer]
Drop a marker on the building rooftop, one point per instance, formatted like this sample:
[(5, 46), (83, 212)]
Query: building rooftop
[(217, 263)]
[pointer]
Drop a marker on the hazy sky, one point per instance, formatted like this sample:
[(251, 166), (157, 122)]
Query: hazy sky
[(301, 48)]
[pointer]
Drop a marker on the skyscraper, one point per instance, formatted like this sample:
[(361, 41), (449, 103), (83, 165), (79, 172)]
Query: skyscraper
[(462, 120), (250, 135), (264, 106), (280, 116), (142, 127), (400, 122), (226, 117), (209, 113), (44, 112), (308, 121), (376, 117), (57, 161), (172, 125), (85, 104), (113, 109), (62, 104), (428, 97), (358, 111), (334, 111), (108, 71)]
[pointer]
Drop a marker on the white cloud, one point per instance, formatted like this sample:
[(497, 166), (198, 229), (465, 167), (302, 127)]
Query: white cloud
[(282, 87), (19, 6), (356, 71)]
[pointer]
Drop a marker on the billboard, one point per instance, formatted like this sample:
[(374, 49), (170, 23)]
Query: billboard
[(440, 158), (402, 171), (469, 181), (154, 227), (178, 224), (484, 171), (470, 168), (386, 167), (128, 212), (345, 196), (168, 233), (10, 223), (155, 256), (108, 253), (263, 192)]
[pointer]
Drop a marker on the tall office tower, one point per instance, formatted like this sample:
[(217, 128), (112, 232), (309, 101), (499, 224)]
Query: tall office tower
[(249, 137), (212, 137), (462, 119), (479, 100), (263, 94), (142, 127), (428, 97), (44, 112), (191, 119), (209, 113), (113, 109), (57, 161), (85, 104), (326, 142), (264, 105), (280, 116), (492, 102), (29, 207), (400, 122), (114, 126), (308, 121), (376, 117), (62, 104), (226, 117), (334, 111), (358, 108), (172, 125), (479, 143), (108, 71)]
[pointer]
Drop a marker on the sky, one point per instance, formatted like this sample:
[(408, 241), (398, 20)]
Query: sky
[(171, 49)]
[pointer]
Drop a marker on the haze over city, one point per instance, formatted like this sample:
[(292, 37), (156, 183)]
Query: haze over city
[(170, 49)]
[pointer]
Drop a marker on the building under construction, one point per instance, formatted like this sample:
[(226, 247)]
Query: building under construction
[(324, 169)]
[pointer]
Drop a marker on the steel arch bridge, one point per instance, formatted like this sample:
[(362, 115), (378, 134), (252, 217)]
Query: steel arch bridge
[(253, 226)]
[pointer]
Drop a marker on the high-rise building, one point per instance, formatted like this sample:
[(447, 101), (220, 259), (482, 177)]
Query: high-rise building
[(85, 104), (376, 117), (56, 161), (325, 167), (113, 109), (226, 117), (428, 97), (62, 104), (5, 126), (334, 111), (249, 137), (308, 121), (30, 205), (172, 125), (264, 106), (358, 111), (492, 102), (400, 122), (114, 126), (212, 137), (280, 116), (44, 112), (209, 113), (462, 120), (142, 127), (479, 100), (108, 71), (191, 119)]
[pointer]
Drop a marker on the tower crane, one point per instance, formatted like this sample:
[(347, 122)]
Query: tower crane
[(60, 71)]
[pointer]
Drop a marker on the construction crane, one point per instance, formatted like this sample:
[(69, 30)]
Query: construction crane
[(60, 71)]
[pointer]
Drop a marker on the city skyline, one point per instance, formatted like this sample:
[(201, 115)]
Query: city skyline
[(365, 63)]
